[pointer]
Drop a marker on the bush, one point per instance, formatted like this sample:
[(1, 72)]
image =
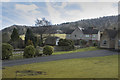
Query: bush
[(29, 42), (29, 51), (37, 53), (7, 50), (48, 50), (66, 44)]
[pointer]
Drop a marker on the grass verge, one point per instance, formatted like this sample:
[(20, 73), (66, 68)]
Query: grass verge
[(78, 50)]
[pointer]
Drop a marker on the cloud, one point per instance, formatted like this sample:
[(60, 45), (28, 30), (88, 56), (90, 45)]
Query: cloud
[(26, 8), (5, 0), (86, 11), (55, 15), (27, 12)]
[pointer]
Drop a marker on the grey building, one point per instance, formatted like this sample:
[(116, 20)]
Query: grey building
[(107, 39), (84, 34)]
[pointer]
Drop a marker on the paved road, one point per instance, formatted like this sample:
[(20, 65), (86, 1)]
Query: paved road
[(96, 53)]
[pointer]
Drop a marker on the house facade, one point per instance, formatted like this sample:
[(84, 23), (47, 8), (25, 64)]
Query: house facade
[(84, 34), (107, 39), (117, 41), (90, 34)]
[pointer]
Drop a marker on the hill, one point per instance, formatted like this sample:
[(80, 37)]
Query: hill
[(99, 23)]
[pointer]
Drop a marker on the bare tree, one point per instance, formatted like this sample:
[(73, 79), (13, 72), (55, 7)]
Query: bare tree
[(42, 22)]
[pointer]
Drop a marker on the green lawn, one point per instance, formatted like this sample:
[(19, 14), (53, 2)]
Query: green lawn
[(97, 67), (78, 50)]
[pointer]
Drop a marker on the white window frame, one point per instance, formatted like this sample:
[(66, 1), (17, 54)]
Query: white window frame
[(87, 35)]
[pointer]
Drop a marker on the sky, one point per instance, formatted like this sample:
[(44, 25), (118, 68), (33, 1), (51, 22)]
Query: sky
[(25, 13)]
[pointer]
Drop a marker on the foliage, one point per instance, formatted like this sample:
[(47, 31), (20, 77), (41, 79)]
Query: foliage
[(29, 51), (37, 52), (83, 42), (16, 41), (48, 50), (29, 42), (5, 37), (7, 50), (30, 36), (17, 44), (66, 44), (15, 35), (42, 22)]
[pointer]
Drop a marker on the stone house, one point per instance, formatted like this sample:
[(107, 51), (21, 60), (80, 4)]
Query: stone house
[(117, 41), (107, 39), (87, 34)]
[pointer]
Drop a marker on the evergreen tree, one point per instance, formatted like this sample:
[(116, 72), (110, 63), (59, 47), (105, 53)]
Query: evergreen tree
[(30, 36), (15, 35)]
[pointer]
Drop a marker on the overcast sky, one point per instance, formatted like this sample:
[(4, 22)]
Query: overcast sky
[(25, 13)]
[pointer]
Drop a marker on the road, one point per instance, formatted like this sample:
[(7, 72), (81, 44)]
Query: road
[(86, 54)]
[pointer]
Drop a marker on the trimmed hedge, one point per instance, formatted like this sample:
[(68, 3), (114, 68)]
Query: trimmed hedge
[(7, 50), (48, 50), (66, 44), (29, 51)]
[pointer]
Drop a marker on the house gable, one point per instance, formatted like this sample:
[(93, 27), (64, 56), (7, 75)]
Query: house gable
[(77, 34)]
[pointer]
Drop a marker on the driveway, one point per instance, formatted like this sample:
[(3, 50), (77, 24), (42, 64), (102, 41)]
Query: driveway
[(86, 54)]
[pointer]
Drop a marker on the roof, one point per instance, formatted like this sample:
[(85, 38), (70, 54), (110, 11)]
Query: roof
[(69, 31), (90, 31), (111, 33)]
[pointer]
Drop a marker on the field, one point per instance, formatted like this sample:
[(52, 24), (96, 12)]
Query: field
[(97, 67), (63, 36)]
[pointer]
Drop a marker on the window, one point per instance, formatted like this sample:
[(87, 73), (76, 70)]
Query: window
[(86, 35), (80, 35), (104, 42), (94, 35), (75, 35), (119, 43)]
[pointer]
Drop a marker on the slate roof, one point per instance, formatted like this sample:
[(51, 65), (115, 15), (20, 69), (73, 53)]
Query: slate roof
[(68, 31), (111, 33), (90, 31)]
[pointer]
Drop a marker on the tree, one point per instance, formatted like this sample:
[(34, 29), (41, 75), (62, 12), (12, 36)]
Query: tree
[(7, 50), (15, 40), (30, 36), (15, 35), (42, 22), (29, 42), (6, 37)]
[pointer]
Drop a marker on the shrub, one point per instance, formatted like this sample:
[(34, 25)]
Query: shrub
[(83, 42), (66, 44), (48, 50), (29, 42), (7, 50), (37, 53), (29, 51)]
